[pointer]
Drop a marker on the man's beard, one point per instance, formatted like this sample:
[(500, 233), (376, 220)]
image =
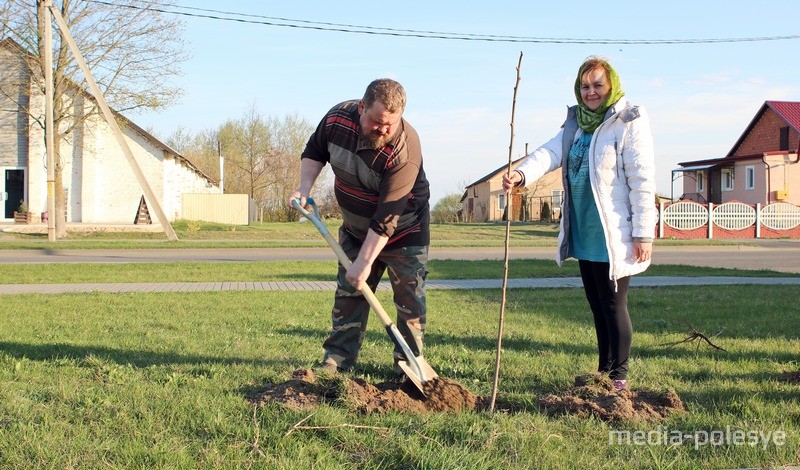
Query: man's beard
[(375, 141)]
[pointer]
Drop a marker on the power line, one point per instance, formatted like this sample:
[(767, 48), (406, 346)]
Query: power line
[(385, 31)]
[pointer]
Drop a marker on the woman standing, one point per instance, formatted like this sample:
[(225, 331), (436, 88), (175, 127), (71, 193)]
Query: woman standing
[(605, 150)]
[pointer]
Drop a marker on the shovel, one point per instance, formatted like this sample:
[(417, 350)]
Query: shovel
[(416, 368)]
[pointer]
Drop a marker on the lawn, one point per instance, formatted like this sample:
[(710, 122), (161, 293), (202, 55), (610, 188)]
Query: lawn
[(293, 234), (160, 380), (263, 271)]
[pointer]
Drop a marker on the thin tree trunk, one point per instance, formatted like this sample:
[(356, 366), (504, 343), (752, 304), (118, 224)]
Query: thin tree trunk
[(505, 260)]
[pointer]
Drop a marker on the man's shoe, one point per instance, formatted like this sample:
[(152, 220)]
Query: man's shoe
[(329, 367), (620, 385)]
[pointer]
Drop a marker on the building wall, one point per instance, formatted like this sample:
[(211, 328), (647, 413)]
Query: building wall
[(739, 193), (780, 173), (37, 159), (765, 136), (13, 124), (794, 179), (486, 195), (690, 192), (784, 175), (179, 179), (480, 196), (100, 184), (114, 190), (14, 95)]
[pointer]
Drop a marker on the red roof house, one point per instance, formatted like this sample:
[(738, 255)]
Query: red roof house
[(761, 168)]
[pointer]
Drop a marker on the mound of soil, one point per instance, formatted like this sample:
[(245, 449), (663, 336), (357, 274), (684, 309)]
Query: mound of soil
[(301, 392), (791, 377), (594, 395), (305, 390)]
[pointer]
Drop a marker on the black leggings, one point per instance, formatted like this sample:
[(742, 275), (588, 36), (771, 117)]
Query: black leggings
[(611, 320)]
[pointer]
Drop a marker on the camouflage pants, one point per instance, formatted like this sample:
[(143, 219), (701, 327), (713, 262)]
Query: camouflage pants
[(407, 271)]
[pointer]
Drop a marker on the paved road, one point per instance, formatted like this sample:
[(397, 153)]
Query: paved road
[(776, 255)]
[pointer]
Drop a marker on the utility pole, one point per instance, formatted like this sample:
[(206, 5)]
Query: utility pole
[(112, 123), (49, 139)]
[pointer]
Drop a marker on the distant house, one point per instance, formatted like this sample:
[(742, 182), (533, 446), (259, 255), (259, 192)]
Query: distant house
[(762, 167), (99, 184), (485, 201)]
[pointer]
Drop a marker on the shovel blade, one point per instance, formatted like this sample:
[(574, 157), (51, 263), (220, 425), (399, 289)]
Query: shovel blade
[(425, 368)]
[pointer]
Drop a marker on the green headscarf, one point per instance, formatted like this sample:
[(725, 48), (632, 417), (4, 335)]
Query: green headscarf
[(589, 120)]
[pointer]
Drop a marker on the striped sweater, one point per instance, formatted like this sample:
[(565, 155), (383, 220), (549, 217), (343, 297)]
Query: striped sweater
[(380, 189)]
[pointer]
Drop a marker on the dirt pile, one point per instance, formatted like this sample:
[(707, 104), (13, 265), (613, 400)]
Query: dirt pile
[(594, 395), (301, 392), (305, 390)]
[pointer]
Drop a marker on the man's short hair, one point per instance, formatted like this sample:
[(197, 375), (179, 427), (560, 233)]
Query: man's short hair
[(389, 92)]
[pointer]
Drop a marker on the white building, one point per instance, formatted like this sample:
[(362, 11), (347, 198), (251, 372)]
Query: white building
[(99, 184)]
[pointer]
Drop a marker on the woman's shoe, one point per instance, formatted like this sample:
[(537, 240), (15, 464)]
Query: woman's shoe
[(620, 385)]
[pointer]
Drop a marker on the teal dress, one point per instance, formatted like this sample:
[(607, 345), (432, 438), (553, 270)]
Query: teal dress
[(586, 238)]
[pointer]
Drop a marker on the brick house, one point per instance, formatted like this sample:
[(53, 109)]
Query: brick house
[(99, 184), (762, 167), (484, 200)]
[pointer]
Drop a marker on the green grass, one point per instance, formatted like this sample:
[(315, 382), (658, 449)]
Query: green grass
[(261, 271), (160, 380), (293, 234)]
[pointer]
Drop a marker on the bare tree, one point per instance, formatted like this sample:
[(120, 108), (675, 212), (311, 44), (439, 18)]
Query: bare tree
[(133, 53), (291, 134), (201, 148), (262, 157)]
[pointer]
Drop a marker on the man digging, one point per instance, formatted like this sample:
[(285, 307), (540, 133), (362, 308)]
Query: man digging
[(382, 191)]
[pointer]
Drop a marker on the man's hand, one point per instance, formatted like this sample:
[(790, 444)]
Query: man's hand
[(358, 273), (297, 194), (309, 171)]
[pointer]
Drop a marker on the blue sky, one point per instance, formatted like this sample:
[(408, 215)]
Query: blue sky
[(700, 97)]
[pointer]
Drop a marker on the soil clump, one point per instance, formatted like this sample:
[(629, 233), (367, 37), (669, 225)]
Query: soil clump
[(306, 390), (592, 396), (595, 395)]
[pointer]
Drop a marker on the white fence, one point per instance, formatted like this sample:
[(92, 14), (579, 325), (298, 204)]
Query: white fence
[(686, 215)]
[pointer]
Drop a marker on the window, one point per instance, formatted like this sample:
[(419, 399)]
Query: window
[(784, 138), (749, 177), (501, 202), (727, 179), (701, 181), (557, 195)]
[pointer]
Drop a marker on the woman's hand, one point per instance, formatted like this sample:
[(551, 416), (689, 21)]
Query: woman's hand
[(509, 181), (642, 251)]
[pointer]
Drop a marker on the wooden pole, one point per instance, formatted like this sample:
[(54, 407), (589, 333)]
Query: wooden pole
[(505, 259), (49, 136), (109, 116)]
